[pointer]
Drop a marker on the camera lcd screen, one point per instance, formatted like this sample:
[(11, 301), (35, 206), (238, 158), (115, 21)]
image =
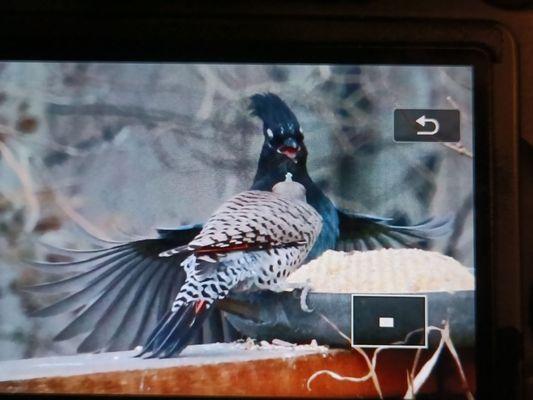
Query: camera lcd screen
[(237, 229)]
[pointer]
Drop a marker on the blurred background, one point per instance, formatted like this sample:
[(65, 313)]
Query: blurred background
[(121, 149)]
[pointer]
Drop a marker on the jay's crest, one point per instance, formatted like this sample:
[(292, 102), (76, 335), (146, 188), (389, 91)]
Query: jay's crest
[(275, 114)]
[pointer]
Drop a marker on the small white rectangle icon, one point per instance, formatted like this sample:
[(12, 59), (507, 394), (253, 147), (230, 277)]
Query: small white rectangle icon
[(386, 322)]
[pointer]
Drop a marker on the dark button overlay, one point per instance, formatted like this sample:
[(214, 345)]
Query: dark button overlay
[(419, 125), (389, 321)]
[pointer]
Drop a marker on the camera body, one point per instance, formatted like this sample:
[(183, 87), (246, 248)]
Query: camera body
[(496, 40)]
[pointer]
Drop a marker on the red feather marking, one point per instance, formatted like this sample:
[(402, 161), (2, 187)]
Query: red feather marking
[(243, 247), (228, 249), (198, 307)]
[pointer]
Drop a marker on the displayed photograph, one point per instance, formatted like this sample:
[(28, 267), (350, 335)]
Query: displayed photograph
[(209, 229)]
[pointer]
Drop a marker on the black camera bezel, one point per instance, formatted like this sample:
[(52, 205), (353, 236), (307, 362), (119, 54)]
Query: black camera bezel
[(195, 40)]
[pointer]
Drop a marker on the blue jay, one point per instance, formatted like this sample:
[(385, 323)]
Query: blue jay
[(284, 151)]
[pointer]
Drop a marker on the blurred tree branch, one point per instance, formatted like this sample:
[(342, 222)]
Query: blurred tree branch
[(32, 205)]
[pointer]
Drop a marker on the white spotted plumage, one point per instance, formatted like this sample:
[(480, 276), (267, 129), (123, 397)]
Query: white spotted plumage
[(253, 241)]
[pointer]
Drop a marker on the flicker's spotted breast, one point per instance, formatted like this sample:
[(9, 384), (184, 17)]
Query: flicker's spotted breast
[(252, 241)]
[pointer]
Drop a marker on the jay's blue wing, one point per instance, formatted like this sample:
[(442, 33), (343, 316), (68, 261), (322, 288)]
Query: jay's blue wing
[(119, 293), (183, 234), (368, 232)]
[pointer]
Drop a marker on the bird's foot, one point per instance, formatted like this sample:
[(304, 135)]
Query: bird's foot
[(304, 287), (303, 298)]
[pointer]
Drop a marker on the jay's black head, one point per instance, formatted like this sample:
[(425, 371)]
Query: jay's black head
[(283, 135)]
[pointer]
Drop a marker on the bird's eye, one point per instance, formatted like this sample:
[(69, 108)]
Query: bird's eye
[(270, 134)]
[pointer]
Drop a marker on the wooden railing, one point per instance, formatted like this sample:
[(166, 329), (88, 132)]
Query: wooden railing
[(224, 369)]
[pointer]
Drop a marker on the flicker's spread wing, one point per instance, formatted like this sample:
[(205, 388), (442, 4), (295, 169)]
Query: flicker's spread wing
[(367, 232), (121, 291)]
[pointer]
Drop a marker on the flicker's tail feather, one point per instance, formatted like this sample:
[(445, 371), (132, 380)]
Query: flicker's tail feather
[(175, 330)]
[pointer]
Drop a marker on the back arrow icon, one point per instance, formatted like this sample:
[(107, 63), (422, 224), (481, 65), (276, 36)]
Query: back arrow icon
[(422, 121)]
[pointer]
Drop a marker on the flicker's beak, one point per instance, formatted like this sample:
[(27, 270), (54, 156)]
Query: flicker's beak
[(290, 149)]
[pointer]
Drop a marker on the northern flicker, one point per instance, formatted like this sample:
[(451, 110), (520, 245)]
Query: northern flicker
[(253, 241)]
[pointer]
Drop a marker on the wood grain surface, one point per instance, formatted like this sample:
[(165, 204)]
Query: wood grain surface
[(282, 372)]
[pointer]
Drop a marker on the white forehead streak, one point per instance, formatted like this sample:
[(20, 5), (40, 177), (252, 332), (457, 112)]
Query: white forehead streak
[(270, 134)]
